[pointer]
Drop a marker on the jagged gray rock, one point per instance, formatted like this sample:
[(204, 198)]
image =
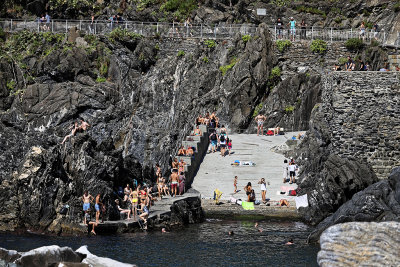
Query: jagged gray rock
[(360, 244), (378, 202)]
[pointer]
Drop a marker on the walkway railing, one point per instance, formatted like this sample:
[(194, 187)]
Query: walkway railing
[(202, 31)]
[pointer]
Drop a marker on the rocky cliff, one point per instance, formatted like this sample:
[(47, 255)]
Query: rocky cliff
[(139, 99)]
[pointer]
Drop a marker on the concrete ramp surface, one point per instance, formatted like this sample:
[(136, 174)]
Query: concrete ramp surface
[(217, 172)]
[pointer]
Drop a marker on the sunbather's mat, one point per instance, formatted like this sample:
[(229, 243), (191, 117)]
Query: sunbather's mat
[(248, 205)]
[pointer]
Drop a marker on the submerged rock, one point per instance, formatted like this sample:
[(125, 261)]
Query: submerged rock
[(360, 244)]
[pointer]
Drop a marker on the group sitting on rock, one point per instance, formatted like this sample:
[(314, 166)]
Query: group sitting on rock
[(76, 127), (211, 121)]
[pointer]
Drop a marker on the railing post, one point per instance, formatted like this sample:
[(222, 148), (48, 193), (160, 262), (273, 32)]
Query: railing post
[(351, 33), (201, 31), (126, 25), (173, 28), (275, 32), (157, 27), (11, 26), (66, 26), (312, 33), (331, 34), (141, 30), (24, 24), (52, 25), (38, 25), (215, 31)]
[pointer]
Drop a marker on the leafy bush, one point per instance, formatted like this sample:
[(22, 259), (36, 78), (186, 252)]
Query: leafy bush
[(11, 85), (246, 38), (318, 46), (354, 44), (342, 60), (396, 7), (180, 8), (281, 2), (311, 10), (224, 69), (289, 109), (123, 35), (257, 110), (101, 80), (283, 45), (2, 34), (205, 59), (210, 43), (180, 53), (275, 73)]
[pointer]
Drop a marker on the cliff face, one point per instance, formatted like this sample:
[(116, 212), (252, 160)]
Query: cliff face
[(139, 113), (352, 141)]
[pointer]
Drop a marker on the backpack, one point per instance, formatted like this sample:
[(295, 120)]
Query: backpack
[(213, 137), (222, 138), (269, 132), (292, 193)]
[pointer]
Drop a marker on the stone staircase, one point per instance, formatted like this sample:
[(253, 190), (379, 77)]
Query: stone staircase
[(200, 143)]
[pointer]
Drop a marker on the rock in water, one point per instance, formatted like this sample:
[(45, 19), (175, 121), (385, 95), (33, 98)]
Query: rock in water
[(45, 256), (360, 244), (94, 260)]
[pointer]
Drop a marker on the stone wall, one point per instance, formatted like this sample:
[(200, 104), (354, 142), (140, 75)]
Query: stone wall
[(363, 109)]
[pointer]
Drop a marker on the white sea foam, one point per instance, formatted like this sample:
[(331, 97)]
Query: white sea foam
[(96, 261)]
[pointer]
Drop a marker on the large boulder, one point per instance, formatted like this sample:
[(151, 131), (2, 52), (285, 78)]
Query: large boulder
[(378, 202), (360, 244)]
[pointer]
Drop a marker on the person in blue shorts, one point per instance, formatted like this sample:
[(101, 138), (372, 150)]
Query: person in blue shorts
[(214, 141), (86, 198), (97, 207)]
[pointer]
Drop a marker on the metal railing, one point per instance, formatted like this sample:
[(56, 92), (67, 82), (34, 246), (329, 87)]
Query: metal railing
[(202, 31)]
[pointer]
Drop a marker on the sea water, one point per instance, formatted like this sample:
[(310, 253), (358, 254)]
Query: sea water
[(206, 244)]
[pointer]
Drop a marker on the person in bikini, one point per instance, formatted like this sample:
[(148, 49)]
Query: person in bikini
[(74, 128), (174, 178), (158, 170), (260, 119), (182, 183), (189, 151), (181, 151), (97, 207), (197, 131), (165, 188), (135, 201), (160, 186), (144, 212), (181, 166), (86, 198)]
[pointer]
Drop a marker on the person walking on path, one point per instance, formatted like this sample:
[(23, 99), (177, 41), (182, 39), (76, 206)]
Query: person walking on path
[(285, 170), (260, 119), (235, 180)]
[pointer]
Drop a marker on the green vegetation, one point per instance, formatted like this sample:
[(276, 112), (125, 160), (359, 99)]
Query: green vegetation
[(205, 59), (257, 110), (224, 69), (342, 60), (11, 85), (75, 6), (311, 10), (210, 43), (396, 7), (283, 45), (123, 35), (339, 19), (180, 9), (101, 80), (318, 46), (180, 53), (281, 2), (289, 109), (157, 47), (2, 35), (354, 44), (246, 38), (275, 73)]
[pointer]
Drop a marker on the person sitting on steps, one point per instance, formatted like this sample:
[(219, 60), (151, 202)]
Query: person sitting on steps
[(181, 151), (197, 131)]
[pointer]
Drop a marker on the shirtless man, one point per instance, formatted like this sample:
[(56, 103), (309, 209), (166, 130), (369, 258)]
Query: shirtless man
[(74, 128), (197, 131), (174, 178), (260, 119), (84, 125), (86, 198), (97, 207)]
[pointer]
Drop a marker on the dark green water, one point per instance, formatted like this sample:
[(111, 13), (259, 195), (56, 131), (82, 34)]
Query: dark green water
[(206, 244)]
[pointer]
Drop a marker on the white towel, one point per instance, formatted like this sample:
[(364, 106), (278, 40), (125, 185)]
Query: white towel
[(301, 201)]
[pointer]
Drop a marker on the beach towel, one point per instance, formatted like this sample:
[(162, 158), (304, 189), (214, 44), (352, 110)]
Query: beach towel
[(248, 205), (301, 201)]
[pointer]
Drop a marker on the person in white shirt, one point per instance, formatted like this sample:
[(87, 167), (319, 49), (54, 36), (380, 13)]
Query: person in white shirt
[(292, 172)]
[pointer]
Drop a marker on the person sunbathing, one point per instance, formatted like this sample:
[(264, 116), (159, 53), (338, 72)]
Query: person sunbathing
[(181, 151), (74, 128), (84, 125), (189, 151), (197, 131)]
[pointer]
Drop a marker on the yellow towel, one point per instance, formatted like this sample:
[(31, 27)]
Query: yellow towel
[(248, 205)]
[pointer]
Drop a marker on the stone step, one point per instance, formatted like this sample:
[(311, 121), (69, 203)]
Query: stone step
[(191, 144), (196, 138), (188, 160)]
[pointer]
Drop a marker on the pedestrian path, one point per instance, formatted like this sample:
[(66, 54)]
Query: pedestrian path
[(216, 171)]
